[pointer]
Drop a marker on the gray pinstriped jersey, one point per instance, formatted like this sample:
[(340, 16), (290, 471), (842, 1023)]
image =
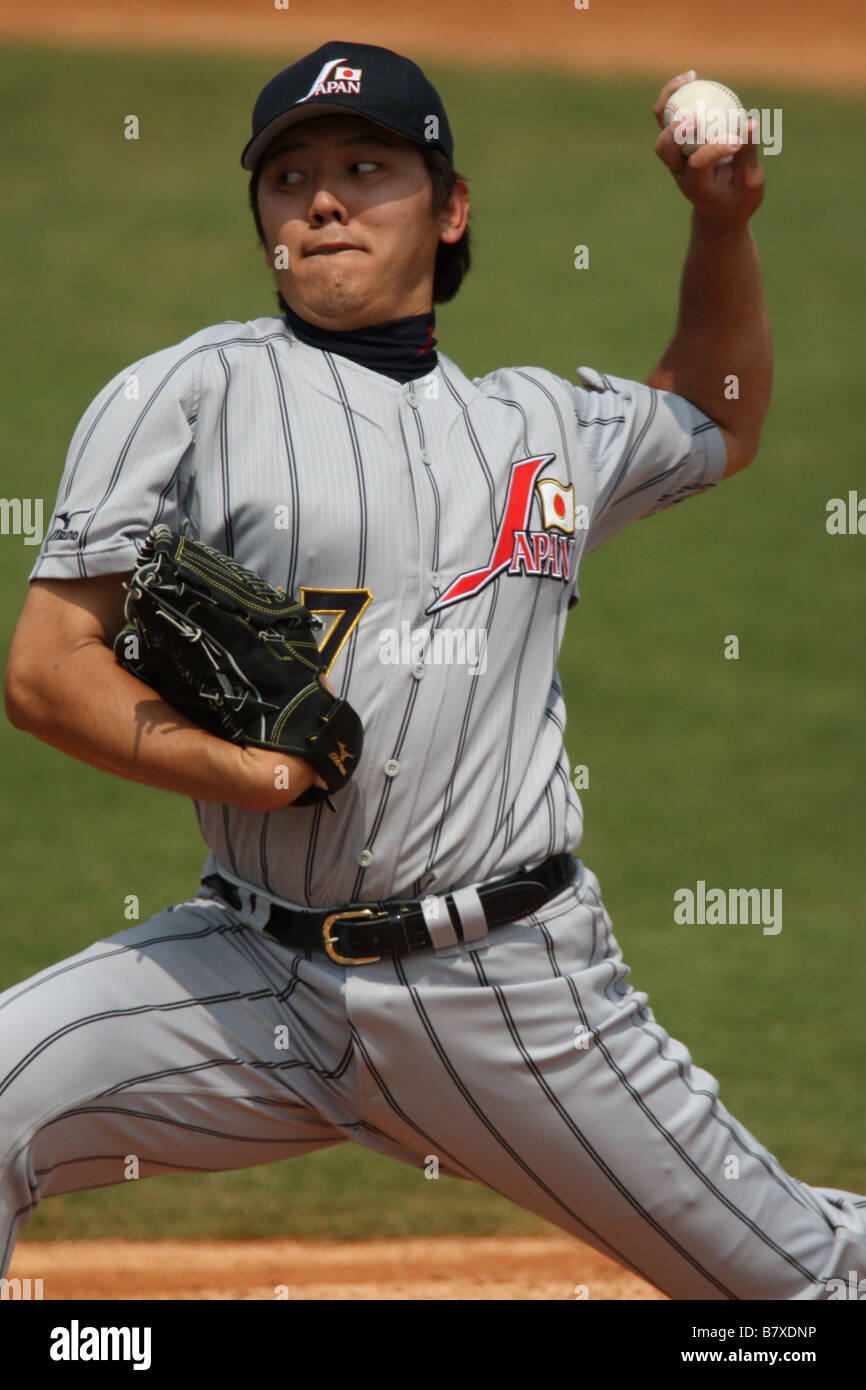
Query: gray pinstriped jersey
[(437, 526)]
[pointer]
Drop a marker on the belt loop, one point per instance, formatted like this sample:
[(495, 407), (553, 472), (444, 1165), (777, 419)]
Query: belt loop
[(254, 909), (471, 913), (438, 922)]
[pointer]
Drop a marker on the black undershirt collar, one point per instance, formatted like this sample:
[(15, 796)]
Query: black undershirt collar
[(400, 348)]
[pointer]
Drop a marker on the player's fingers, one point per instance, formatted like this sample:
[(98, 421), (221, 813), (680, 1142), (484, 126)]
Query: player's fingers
[(748, 172), (707, 156), (669, 150), (669, 87)]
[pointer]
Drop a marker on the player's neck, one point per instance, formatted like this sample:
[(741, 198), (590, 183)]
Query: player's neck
[(401, 348)]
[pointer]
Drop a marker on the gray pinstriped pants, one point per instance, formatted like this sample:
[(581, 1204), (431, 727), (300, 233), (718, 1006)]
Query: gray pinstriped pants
[(527, 1063)]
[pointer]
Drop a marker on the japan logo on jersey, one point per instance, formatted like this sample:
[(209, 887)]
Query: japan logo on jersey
[(335, 77), (516, 548)]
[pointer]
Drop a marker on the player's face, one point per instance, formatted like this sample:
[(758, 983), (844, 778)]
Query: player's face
[(352, 204)]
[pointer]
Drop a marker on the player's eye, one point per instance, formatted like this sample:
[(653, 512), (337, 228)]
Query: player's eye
[(290, 177)]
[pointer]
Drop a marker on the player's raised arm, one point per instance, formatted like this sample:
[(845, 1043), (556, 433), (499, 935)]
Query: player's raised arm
[(64, 685), (722, 329)]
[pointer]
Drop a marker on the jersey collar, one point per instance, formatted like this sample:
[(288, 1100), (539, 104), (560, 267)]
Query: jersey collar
[(402, 349)]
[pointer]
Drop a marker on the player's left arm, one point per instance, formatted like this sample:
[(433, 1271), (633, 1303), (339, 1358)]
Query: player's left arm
[(723, 328)]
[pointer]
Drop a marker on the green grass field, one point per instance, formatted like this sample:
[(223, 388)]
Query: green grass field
[(746, 773)]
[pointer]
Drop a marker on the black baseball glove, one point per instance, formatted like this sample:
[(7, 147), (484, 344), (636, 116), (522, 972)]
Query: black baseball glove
[(236, 656)]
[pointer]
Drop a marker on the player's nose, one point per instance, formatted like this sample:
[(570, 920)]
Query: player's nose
[(327, 207)]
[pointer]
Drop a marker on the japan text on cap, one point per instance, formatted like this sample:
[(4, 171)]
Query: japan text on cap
[(351, 77)]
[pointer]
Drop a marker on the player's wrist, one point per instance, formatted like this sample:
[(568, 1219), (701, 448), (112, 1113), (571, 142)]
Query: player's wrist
[(719, 229), (268, 781)]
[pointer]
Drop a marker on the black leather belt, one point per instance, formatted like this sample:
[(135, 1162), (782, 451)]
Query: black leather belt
[(361, 933)]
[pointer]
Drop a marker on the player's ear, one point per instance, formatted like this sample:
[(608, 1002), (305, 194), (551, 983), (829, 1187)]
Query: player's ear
[(455, 214)]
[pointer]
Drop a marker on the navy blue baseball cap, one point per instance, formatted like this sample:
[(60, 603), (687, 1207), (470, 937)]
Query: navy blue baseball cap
[(351, 77)]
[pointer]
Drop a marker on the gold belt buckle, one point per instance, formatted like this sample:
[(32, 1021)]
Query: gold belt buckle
[(330, 940)]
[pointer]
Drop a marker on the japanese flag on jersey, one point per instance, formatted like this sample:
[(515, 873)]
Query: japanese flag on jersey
[(557, 505)]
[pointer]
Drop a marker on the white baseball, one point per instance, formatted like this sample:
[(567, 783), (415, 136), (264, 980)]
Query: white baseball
[(715, 114)]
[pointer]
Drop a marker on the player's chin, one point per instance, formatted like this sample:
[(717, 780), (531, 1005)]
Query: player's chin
[(337, 290), (345, 268)]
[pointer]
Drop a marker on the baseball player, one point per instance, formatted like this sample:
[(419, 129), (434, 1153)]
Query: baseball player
[(426, 968)]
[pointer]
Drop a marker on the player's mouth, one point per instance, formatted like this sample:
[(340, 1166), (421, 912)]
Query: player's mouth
[(332, 249)]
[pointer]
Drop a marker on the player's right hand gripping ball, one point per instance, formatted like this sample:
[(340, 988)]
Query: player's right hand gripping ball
[(236, 656)]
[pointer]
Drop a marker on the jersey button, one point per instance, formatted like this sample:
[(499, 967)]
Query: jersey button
[(419, 670), (392, 767), (436, 579), (425, 457), (365, 858), (412, 399)]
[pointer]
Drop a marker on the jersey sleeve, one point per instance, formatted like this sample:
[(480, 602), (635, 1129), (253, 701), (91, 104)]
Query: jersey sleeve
[(127, 467), (647, 449)]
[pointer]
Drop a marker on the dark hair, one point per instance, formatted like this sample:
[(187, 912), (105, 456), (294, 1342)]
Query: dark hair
[(452, 260)]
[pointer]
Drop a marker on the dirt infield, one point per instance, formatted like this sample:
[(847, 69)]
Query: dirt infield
[(796, 40), (441, 1267)]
